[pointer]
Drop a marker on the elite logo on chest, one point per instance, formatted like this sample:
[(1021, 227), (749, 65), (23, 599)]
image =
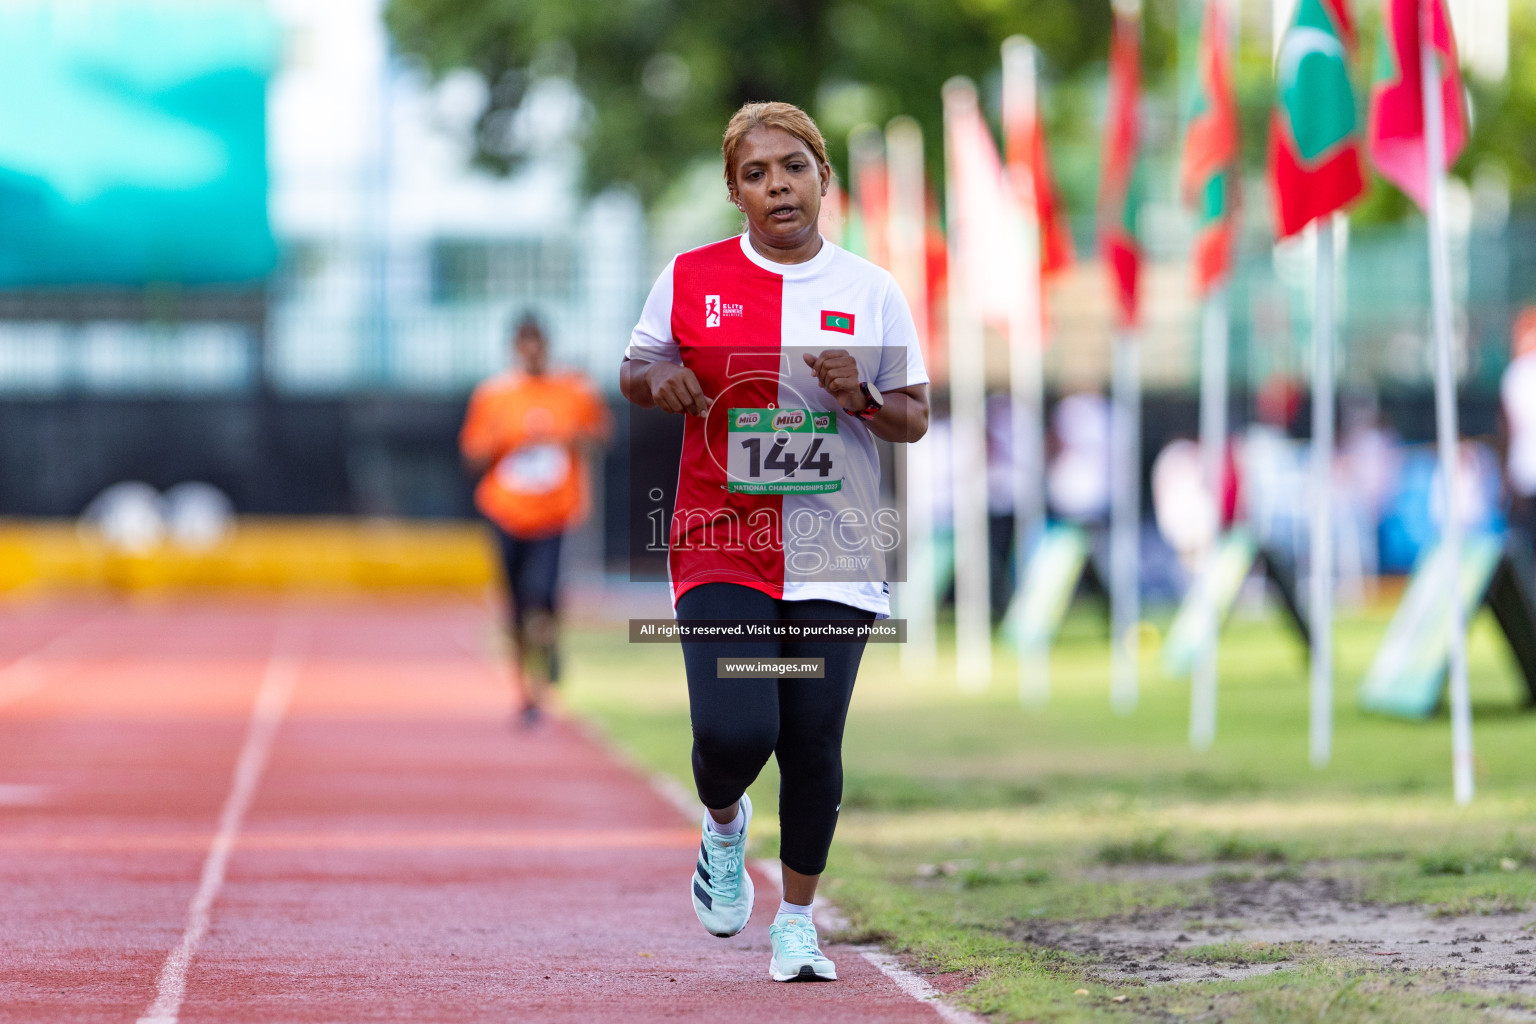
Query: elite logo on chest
[(714, 309)]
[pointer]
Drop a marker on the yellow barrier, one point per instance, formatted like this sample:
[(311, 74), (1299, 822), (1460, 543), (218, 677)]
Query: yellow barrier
[(259, 554)]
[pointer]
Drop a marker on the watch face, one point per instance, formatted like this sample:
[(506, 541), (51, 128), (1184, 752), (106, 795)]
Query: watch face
[(873, 395)]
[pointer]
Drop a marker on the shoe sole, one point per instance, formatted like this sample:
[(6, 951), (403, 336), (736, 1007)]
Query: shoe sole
[(806, 973)]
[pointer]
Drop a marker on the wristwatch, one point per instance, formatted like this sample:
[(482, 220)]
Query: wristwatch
[(872, 396)]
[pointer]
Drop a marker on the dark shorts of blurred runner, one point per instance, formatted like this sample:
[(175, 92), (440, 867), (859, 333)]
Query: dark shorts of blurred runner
[(530, 568)]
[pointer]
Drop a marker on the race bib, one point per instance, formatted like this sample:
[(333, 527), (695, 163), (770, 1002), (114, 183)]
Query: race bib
[(536, 469), (784, 451)]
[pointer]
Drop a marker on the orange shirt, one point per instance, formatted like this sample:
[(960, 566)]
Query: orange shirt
[(528, 428)]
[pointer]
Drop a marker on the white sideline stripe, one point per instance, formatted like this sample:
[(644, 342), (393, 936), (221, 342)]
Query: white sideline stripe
[(24, 676), (674, 793), (272, 698), (916, 986)]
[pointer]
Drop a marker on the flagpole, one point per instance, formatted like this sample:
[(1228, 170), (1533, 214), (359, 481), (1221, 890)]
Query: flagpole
[(1026, 371), (1125, 523), (1445, 404), (967, 401), (1125, 388), (1213, 441), (1321, 594), (904, 170)]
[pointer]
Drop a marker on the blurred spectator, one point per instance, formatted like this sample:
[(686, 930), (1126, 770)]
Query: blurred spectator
[(1477, 489), (1181, 501), (1275, 470), (1517, 393), (1369, 463), (1078, 479), (1004, 464)]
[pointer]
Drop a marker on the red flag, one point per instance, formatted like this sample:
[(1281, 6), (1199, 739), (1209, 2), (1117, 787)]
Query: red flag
[(1024, 143), (871, 196), (1119, 186), (1314, 150), (936, 264), (1208, 174), (985, 214), (1397, 95)]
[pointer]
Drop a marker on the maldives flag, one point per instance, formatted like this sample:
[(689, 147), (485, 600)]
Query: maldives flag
[(1314, 149), (1208, 174), (1397, 95), (1024, 144), (1119, 186)]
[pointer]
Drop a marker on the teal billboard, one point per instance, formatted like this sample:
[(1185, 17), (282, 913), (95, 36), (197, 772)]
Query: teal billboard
[(133, 143)]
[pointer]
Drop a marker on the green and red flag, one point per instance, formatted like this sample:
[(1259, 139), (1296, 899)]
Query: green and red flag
[(1314, 148), (1119, 185), (1208, 173), (1397, 95)]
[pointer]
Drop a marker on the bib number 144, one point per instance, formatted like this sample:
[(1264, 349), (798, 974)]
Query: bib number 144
[(784, 451)]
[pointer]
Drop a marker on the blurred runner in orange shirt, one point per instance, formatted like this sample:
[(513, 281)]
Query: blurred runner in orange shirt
[(523, 441)]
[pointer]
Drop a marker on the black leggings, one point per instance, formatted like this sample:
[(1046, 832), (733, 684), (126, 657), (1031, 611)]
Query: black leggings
[(738, 723)]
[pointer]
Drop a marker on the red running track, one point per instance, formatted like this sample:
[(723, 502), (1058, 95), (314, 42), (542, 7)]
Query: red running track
[(394, 851)]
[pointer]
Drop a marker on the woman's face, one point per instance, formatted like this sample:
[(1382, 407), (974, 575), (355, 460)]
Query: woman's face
[(779, 185)]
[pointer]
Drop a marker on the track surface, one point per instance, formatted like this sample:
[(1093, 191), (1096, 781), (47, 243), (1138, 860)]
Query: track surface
[(404, 854)]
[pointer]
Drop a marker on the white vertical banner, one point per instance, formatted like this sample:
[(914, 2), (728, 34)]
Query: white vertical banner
[(1446, 428), (1320, 594), (1026, 350), (967, 386), (906, 238)]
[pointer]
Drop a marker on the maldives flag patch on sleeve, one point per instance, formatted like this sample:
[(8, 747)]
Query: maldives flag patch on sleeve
[(831, 320)]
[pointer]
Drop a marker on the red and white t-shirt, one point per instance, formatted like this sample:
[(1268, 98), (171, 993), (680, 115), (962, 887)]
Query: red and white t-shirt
[(778, 488)]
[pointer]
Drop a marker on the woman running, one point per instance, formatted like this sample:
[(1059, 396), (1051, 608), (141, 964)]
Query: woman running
[(789, 356)]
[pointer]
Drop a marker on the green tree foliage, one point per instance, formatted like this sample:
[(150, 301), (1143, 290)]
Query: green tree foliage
[(661, 77)]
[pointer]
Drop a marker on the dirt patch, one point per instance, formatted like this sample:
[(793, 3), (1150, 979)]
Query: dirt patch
[(1256, 926)]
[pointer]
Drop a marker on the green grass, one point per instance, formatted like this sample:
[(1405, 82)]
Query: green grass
[(1139, 850), (967, 817), (1240, 952)]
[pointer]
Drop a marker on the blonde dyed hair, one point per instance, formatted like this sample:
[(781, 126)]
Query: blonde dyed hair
[(784, 116)]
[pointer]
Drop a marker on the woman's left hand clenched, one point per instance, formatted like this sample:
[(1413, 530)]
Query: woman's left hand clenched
[(838, 373)]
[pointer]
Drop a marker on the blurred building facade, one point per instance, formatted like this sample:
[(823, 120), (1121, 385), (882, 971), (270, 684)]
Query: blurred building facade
[(333, 379)]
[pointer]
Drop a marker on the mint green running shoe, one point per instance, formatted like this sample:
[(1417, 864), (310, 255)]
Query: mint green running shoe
[(797, 955), (722, 885)]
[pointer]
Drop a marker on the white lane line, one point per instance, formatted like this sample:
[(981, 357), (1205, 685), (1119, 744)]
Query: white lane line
[(24, 676), (272, 699), (916, 986)]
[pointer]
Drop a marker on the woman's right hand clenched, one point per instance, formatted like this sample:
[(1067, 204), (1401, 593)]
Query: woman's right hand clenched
[(674, 388)]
